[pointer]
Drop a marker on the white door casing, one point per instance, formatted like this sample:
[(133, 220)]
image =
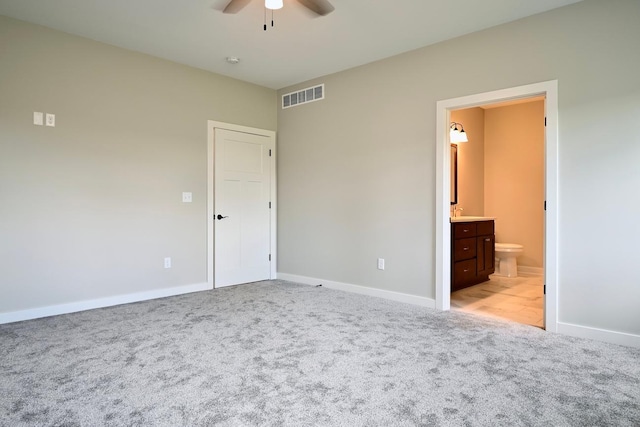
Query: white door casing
[(443, 226), (241, 194)]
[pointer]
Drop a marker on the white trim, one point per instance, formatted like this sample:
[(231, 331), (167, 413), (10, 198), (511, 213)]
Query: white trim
[(443, 245), (54, 310), (211, 127), (357, 289), (604, 335), (443, 209), (210, 208), (530, 271)]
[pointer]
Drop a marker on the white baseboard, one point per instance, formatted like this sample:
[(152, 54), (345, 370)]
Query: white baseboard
[(357, 289), (613, 337), (604, 335), (530, 271), (54, 310)]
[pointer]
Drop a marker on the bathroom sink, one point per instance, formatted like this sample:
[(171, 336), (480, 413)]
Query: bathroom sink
[(472, 218)]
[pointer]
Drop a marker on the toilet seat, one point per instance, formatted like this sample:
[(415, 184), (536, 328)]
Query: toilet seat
[(508, 247)]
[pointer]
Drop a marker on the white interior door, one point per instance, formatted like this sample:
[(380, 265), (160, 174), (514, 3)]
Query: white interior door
[(242, 211)]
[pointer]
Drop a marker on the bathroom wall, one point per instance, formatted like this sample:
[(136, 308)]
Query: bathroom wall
[(471, 161), (501, 172), (514, 176)]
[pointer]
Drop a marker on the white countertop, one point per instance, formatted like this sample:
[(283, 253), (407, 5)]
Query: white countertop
[(472, 218)]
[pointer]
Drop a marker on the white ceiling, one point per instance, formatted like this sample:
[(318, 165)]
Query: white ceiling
[(300, 47)]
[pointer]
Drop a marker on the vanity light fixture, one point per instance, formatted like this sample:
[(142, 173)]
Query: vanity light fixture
[(457, 133)]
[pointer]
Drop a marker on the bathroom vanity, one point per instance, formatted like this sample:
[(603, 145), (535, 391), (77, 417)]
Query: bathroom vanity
[(472, 251)]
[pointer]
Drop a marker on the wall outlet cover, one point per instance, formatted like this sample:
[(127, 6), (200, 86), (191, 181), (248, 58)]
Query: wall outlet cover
[(51, 120)]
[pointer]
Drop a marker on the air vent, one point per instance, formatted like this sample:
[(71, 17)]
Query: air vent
[(303, 96)]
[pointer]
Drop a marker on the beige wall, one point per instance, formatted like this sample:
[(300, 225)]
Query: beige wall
[(90, 208), (357, 170), (514, 176), (471, 162)]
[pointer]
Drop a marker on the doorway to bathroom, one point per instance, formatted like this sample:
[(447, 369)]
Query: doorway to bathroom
[(500, 175), (539, 264)]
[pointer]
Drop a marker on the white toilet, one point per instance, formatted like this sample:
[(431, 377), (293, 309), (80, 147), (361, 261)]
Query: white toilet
[(506, 254)]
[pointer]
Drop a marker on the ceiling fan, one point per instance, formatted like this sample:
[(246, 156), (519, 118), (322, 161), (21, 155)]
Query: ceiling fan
[(320, 7)]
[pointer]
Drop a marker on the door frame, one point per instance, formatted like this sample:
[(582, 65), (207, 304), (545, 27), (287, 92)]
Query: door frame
[(443, 185), (273, 232)]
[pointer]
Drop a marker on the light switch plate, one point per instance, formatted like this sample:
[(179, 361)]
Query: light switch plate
[(38, 118), (187, 197), (51, 120)]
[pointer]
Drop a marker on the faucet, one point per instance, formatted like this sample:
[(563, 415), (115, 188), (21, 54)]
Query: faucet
[(456, 210)]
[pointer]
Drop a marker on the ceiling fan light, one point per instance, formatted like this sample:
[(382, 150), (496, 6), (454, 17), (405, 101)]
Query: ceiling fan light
[(273, 4)]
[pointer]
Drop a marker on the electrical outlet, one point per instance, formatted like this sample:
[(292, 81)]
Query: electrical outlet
[(380, 263), (167, 262), (51, 120), (187, 197)]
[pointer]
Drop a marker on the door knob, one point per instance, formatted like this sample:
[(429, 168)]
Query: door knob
[(221, 217)]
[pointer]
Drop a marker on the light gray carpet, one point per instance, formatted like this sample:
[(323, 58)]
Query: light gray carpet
[(278, 353)]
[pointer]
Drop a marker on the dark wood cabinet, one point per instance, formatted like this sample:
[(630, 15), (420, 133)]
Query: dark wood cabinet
[(472, 253)]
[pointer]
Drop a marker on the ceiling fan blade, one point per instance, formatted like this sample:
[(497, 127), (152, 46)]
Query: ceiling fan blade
[(235, 6), (321, 7)]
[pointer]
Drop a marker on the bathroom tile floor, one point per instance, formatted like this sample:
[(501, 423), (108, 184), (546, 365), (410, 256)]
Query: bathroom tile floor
[(519, 299)]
